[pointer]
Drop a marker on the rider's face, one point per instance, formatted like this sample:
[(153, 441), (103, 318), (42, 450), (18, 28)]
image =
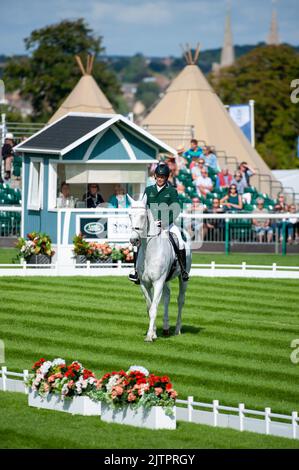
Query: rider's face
[(160, 180)]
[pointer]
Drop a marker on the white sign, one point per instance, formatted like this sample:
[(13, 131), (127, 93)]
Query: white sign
[(119, 228)]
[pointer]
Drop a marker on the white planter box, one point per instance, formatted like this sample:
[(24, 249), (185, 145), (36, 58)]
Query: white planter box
[(151, 418), (76, 405)]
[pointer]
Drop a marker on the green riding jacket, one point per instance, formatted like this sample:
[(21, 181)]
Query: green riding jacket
[(164, 204)]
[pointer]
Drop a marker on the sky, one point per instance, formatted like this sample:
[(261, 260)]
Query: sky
[(152, 27)]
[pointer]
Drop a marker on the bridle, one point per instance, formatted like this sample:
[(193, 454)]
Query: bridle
[(138, 229)]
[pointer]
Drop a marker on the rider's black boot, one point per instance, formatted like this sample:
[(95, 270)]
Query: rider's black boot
[(182, 262), (134, 276)]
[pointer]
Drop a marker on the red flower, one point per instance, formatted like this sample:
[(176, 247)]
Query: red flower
[(39, 363), (168, 387), (165, 379)]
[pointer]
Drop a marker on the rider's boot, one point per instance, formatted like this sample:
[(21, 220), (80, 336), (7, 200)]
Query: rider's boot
[(181, 254), (134, 276)]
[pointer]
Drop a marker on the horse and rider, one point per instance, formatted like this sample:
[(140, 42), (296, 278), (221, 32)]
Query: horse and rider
[(158, 243), (159, 196)]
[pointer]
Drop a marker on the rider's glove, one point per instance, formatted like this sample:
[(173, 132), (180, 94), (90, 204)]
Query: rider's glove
[(158, 223)]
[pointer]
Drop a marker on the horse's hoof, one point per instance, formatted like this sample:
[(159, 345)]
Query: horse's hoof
[(148, 339), (177, 332), (166, 332)]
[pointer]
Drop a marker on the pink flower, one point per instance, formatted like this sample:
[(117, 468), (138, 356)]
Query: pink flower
[(173, 394), (70, 384), (51, 378), (131, 397), (119, 390), (46, 387), (158, 391)]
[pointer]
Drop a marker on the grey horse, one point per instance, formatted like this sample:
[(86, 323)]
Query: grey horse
[(155, 259)]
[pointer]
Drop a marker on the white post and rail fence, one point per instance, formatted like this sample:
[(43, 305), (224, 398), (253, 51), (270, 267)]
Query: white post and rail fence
[(213, 414)]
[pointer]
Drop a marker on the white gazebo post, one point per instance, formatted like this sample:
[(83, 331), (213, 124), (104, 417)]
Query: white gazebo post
[(3, 127), (252, 124)]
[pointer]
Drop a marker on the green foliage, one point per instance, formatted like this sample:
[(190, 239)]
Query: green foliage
[(265, 74), (50, 72), (148, 93)]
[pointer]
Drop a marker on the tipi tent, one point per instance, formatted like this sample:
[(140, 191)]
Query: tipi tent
[(191, 101), (86, 96)]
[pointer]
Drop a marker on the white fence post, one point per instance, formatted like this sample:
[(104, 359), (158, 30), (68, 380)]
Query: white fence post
[(215, 412), (24, 265), (190, 409), (267, 419), (25, 377), (88, 266), (119, 265), (4, 377), (243, 267), (274, 266), (241, 415), (294, 423)]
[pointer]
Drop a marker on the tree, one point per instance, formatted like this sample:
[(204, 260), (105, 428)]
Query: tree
[(148, 93), (50, 72), (265, 75)]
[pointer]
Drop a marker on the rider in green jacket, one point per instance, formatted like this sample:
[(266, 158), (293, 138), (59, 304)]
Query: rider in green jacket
[(157, 196)]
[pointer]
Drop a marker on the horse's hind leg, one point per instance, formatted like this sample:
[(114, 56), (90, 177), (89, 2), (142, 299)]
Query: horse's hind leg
[(166, 295), (158, 289), (181, 301)]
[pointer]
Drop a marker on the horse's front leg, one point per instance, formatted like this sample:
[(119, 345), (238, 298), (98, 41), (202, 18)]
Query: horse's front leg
[(146, 290), (166, 295), (157, 293), (181, 301)]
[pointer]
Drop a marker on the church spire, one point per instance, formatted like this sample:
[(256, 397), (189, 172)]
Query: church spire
[(273, 38), (228, 53)]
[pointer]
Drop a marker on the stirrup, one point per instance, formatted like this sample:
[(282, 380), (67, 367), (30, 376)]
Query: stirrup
[(134, 278)]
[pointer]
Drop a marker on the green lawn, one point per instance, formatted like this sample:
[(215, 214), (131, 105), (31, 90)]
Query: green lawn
[(24, 427), (8, 254)]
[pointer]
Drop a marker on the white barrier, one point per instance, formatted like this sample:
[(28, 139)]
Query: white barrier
[(272, 271), (196, 412)]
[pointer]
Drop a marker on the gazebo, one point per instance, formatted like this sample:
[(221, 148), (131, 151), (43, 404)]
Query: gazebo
[(79, 149)]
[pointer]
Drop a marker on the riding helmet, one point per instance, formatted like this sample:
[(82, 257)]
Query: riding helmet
[(162, 170)]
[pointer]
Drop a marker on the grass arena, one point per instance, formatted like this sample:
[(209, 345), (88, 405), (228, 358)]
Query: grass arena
[(234, 347)]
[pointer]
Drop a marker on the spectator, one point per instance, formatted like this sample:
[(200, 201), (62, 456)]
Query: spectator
[(7, 155), (93, 197), (232, 201), (194, 150), (119, 199), (196, 166), (213, 228), (194, 226), (210, 159), (292, 225), (224, 179), (246, 172), (172, 165), (281, 205), (203, 183), (151, 178), (65, 194), (181, 160), (238, 181), (180, 188), (262, 226)]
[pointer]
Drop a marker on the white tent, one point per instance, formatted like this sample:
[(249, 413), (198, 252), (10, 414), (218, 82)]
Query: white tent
[(85, 97)]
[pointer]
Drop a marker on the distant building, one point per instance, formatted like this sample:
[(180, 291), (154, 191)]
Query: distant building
[(228, 52), (273, 36)]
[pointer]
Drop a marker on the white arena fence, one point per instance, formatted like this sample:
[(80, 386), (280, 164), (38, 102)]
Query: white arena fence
[(212, 414), (123, 269)]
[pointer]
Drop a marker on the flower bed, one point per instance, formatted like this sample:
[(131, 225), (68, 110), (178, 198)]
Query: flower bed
[(57, 386), (37, 249), (100, 252)]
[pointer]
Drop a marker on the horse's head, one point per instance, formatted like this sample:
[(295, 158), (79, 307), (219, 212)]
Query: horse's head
[(138, 218)]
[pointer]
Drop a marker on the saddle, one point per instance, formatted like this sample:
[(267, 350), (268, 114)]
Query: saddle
[(175, 243)]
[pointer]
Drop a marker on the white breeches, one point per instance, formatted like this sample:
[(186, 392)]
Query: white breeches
[(176, 231)]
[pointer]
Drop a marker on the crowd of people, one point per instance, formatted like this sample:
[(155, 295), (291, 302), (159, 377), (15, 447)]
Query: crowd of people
[(201, 182)]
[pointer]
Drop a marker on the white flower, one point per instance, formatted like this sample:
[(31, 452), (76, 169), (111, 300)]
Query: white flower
[(78, 388), (141, 369), (112, 382), (45, 367), (58, 362), (84, 383), (91, 380), (64, 390)]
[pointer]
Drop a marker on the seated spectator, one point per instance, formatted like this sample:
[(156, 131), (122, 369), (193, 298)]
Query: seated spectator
[(119, 199), (292, 225), (246, 172), (151, 178), (203, 183), (194, 150), (7, 155), (210, 159), (172, 165), (196, 166), (181, 160), (281, 205), (232, 201), (180, 188), (93, 197), (65, 194), (238, 181), (262, 227), (192, 225), (213, 228), (224, 179)]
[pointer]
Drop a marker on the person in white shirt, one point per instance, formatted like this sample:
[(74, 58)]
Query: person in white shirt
[(203, 183)]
